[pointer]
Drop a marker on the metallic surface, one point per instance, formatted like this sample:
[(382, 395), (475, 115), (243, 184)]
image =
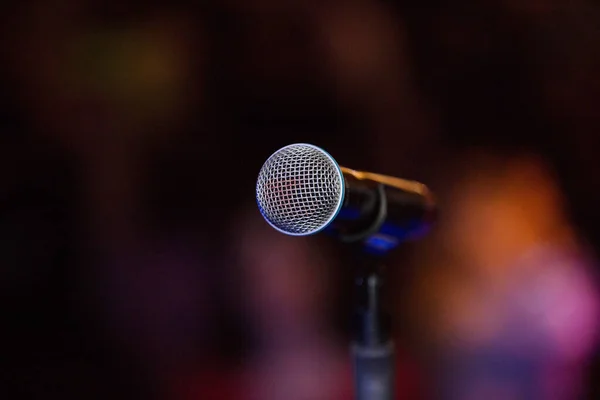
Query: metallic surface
[(300, 189)]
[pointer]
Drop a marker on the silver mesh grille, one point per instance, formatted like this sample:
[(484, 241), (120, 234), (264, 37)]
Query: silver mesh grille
[(300, 189)]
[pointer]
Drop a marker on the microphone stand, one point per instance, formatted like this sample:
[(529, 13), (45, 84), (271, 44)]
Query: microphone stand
[(373, 348)]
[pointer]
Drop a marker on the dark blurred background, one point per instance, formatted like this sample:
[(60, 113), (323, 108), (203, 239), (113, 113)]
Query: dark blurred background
[(134, 263)]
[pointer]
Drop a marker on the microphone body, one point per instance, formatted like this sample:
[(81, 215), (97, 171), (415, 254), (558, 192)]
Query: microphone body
[(302, 190), (382, 210)]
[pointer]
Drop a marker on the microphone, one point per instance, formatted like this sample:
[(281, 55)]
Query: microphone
[(301, 190)]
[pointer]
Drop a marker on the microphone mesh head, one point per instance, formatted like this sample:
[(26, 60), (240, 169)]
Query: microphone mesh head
[(300, 189)]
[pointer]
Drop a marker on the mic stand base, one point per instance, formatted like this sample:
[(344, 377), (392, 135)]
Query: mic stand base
[(373, 349), (373, 371)]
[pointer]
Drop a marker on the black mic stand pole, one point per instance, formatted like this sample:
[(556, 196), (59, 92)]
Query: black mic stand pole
[(373, 347)]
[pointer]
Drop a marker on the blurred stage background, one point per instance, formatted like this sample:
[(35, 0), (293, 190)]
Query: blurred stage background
[(133, 260)]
